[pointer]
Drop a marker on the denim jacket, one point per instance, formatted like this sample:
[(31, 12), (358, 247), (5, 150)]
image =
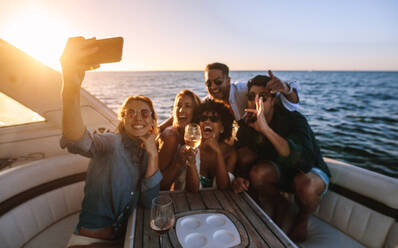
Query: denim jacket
[(115, 180)]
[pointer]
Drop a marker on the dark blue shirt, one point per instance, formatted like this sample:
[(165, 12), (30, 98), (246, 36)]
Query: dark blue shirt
[(292, 126), (115, 180)]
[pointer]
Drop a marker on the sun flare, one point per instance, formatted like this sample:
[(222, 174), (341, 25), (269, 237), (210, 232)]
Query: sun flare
[(38, 34)]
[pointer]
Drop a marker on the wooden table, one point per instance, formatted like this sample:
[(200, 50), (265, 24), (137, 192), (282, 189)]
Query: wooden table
[(255, 227)]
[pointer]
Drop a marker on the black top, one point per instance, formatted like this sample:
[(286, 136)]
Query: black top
[(292, 126)]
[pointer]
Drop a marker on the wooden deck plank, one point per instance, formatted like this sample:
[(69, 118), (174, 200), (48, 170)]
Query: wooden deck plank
[(255, 240), (210, 200), (139, 228), (256, 228), (151, 238), (165, 238), (165, 241), (195, 201), (179, 201), (268, 221), (261, 228)]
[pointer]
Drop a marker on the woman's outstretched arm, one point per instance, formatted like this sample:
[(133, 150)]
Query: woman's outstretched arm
[(73, 71)]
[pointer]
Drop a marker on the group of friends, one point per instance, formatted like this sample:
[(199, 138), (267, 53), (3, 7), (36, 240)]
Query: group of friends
[(273, 151)]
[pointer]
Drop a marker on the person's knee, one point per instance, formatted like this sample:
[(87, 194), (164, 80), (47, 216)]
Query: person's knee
[(246, 157), (262, 175), (307, 189)]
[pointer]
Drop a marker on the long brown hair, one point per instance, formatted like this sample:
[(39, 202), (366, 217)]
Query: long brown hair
[(195, 99), (120, 127)]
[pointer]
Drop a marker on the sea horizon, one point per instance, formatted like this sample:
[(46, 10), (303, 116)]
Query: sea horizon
[(352, 113)]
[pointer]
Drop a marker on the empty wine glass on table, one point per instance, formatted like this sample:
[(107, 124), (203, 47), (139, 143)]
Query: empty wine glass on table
[(192, 135), (162, 214)]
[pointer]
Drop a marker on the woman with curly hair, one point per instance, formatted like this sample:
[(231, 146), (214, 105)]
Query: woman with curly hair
[(213, 164)]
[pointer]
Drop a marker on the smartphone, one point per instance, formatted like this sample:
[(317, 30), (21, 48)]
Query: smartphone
[(109, 51)]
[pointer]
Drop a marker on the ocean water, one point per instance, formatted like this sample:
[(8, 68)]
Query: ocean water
[(354, 115)]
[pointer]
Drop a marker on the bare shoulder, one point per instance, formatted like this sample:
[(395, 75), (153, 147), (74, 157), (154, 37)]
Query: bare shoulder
[(170, 136), (169, 132)]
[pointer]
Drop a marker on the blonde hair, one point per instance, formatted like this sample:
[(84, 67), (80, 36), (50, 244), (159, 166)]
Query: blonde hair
[(120, 127)]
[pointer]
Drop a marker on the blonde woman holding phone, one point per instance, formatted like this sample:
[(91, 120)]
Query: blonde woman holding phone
[(123, 170)]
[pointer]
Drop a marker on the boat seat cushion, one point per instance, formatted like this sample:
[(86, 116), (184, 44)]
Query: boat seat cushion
[(321, 234), (38, 172), (348, 221), (392, 238), (365, 225), (24, 223), (361, 223), (57, 235), (364, 182)]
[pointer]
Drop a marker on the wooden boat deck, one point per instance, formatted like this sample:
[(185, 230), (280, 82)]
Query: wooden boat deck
[(255, 227)]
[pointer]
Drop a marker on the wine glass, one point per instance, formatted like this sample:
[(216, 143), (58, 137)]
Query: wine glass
[(192, 135), (162, 214)]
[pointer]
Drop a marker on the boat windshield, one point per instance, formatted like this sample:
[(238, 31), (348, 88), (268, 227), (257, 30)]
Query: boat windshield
[(14, 113)]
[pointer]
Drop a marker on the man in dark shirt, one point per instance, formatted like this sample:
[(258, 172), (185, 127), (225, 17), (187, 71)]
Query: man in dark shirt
[(278, 152)]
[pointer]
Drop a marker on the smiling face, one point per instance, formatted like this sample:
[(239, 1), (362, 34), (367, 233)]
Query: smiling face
[(218, 84), (183, 111), (210, 124), (137, 118)]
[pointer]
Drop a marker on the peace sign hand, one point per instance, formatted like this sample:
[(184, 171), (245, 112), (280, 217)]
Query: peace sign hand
[(261, 123)]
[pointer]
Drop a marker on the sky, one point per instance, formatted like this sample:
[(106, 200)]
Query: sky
[(188, 34)]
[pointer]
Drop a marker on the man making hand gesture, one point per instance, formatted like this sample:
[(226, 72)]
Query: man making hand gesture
[(277, 152)]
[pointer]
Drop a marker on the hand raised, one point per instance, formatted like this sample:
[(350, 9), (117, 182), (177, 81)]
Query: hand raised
[(260, 123), (212, 142), (240, 184), (276, 85), (73, 57)]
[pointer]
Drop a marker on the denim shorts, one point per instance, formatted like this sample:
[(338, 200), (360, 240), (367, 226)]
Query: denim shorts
[(286, 176)]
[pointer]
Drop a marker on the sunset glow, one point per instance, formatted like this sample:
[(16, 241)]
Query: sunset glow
[(187, 35), (38, 34)]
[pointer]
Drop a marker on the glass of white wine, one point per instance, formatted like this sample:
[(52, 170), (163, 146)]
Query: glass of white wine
[(162, 214), (192, 135)]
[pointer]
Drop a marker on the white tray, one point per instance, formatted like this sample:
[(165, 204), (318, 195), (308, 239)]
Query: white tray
[(207, 231)]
